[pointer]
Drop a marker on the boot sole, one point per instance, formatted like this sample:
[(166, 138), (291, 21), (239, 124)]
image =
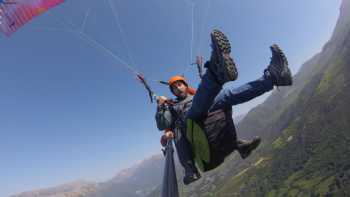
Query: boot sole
[(285, 73), (254, 146), (221, 46)]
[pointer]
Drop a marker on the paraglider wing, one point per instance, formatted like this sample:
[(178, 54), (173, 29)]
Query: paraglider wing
[(169, 187), (7, 1), (15, 13)]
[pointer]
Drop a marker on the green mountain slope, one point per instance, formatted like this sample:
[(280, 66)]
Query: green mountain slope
[(307, 136)]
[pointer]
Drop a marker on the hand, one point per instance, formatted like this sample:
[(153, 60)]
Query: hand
[(167, 136), (161, 100)]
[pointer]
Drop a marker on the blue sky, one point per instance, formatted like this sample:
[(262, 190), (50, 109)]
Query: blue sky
[(69, 110)]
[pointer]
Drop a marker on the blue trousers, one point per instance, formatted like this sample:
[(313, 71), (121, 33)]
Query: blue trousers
[(211, 96)]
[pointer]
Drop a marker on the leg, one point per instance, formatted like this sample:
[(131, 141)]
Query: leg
[(230, 96), (220, 69), (207, 90), (276, 74), (184, 152)]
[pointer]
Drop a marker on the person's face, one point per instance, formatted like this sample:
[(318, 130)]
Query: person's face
[(179, 89)]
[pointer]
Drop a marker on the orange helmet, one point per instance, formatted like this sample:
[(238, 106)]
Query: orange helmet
[(176, 78)]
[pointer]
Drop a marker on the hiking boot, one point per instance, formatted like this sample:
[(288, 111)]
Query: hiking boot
[(221, 64), (245, 148), (278, 68), (190, 178)]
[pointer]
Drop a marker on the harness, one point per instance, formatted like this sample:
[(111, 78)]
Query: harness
[(178, 111), (218, 130)]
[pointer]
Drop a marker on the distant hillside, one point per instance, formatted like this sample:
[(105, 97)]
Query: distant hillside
[(74, 189), (138, 181)]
